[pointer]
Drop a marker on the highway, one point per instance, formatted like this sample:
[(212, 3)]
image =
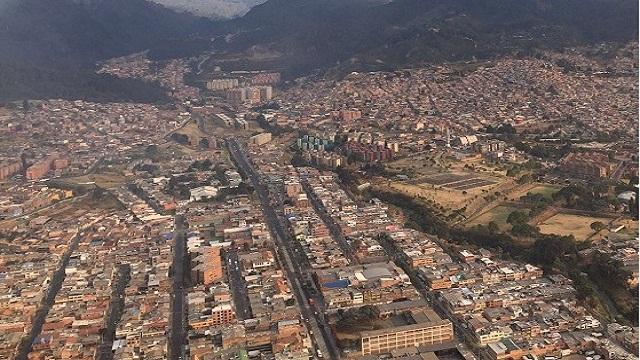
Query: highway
[(284, 251), (177, 334)]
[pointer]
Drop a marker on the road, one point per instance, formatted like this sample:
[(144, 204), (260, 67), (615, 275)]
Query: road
[(177, 333), (334, 229), (238, 286), (115, 312), (396, 254), (54, 286), (315, 319), (41, 315), (617, 173)]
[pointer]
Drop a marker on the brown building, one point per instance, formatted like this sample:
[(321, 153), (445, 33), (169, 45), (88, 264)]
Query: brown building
[(42, 167), (10, 168), (237, 95), (593, 165), (221, 314), (253, 95), (505, 349), (438, 282), (207, 267), (265, 79), (347, 115), (293, 189)]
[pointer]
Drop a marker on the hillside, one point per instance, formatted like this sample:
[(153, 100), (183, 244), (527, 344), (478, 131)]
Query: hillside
[(50, 47), (381, 34)]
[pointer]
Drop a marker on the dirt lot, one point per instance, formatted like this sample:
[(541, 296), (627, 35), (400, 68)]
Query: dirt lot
[(192, 131), (416, 166), (568, 224)]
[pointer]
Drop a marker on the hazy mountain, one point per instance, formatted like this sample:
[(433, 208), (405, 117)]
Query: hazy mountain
[(48, 48), (321, 33), (216, 9)]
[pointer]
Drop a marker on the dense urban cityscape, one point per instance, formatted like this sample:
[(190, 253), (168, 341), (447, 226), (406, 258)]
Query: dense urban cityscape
[(471, 210)]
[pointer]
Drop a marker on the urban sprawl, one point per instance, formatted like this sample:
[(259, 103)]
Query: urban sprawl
[(375, 216)]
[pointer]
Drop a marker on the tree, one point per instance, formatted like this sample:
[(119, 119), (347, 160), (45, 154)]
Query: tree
[(151, 151), (597, 226), (548, 248), (517, 217), (369, 312), (523, 229), (493, 227), (506, 129), (180, 138)]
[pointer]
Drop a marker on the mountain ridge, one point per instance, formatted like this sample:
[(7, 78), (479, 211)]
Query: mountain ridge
[(50, 47), (322, 33)]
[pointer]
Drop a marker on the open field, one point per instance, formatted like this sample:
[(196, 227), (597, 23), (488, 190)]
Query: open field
[(192, 131), (419, 165), (498, 215), (104, 180), (457, 181), (568, 224), (450, 198), (546, 190)]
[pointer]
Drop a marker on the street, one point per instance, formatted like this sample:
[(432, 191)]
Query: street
[(48, 301), (334, 229), (115, 311), (396, 254), (238, 286), (326, 343), (177, 333)]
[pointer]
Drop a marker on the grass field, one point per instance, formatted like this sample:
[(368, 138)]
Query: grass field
[(567, 224), (545, 190), (498, 215), (105, 180)]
